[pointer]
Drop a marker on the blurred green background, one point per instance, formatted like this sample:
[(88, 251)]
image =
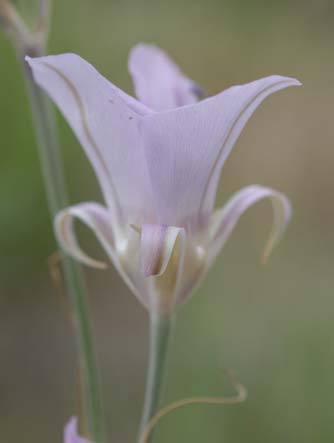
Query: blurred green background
[(273, 324)]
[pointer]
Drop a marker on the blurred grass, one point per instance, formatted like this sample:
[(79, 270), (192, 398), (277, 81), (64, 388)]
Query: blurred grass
[(272, 324)]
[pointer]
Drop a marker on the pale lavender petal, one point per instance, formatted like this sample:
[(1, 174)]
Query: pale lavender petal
[(157, 245), (225, 219), (163, 257), (187, 147), (158, 81), (105, 120), (71, 434), (97, 218)]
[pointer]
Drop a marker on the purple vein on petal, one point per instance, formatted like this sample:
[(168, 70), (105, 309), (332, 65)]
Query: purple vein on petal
[(86, 130), (228, 135)]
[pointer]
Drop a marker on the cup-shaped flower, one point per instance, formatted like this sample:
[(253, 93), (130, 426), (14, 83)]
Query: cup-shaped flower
[(158, 161), (71, 434)]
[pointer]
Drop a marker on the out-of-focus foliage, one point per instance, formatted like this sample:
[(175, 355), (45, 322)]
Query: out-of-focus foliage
[(28, 9), (274, 324)]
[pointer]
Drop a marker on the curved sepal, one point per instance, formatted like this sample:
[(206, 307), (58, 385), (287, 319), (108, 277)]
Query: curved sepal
[(226, 218), (97, 218)]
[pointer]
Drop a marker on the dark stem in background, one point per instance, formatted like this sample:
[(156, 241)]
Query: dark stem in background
[(47, 140), (28, 43)]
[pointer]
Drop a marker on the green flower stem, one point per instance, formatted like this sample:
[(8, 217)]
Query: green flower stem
[(46, 132), (31, 43), (160, 333)]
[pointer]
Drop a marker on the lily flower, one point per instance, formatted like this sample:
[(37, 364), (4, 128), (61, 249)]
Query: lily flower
[(158, 160), (71, 434)]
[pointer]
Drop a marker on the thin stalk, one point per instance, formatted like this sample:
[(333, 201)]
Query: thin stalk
[(160, 333), (47, 140), (31, 43)]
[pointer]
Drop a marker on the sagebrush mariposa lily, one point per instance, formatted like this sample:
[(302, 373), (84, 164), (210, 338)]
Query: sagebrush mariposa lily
[(158, 161)]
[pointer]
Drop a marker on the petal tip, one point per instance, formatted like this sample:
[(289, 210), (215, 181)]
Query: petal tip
[(293, 81), (71, 433), (296, 82), (31, 61), (144, 46)]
